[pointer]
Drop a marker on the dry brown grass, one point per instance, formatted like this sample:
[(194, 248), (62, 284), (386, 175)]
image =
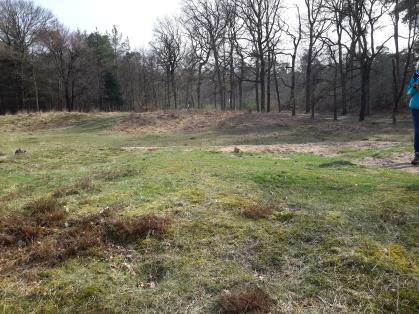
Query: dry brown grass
[(72, 243), (258, 211), (35, 221), (246, 300), (170, 121), (31, 122), (19, 229), (42, 205), (134, 229), (394, 216), (43, 234), (46, 211), (85, 184)]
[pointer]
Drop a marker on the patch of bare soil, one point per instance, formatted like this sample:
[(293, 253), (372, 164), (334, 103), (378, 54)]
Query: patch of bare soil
[(319, 149), (400, 161), (245, 300)]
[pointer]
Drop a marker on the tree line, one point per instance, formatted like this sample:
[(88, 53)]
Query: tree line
[(265, 55)]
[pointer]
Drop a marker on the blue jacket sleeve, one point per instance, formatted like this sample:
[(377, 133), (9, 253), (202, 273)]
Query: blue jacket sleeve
[(411, 91)]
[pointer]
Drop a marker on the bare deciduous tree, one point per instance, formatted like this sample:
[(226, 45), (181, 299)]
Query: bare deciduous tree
[(21, 25), (167, 46)]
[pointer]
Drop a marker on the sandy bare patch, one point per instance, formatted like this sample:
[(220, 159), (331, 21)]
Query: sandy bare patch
[(319, 149), (142, 149), (400, 161)]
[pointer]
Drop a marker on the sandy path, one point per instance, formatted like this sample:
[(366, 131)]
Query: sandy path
[(398, 161)]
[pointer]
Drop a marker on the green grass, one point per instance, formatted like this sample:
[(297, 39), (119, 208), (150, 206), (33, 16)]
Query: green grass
[(342, 237)]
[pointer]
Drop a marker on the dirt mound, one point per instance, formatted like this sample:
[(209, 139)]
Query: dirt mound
[(162, 122), (42, 121), (166, 122)]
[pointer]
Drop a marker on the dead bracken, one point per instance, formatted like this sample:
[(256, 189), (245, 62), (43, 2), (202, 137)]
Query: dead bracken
[(245, 300), (46, 211), (19, 229), (35, 220), (45, 234)]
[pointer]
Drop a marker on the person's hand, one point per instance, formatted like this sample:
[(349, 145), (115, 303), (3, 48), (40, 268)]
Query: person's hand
[(416, 86)]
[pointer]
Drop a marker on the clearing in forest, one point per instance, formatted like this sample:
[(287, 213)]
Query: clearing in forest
[(206, 212)]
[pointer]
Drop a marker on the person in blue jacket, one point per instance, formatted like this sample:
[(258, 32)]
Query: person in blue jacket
[(413, 92)]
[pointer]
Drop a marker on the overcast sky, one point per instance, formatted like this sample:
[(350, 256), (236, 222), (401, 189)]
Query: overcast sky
[(134, 18)]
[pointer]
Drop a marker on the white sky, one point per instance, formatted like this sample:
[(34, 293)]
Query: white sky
[(134, 18)]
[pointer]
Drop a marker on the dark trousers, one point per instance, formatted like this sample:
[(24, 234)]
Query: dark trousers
[(415, 113)]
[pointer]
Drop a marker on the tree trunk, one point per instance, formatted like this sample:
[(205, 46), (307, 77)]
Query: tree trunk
[(364, 91), (293, 79), (268, 84), (35, 86), (219, 77), (168, 103), (262, 86), (335, 94), (312, 93), (241, 85), (21, 85), (172, 74), (257, 87), (215, 96), (72, 93), (231, 76), (342, 80), (396, 63), (308, 79), (198, 86), (67, 97), (278, 96)]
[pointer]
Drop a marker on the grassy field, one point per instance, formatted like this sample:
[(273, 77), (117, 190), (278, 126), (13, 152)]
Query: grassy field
[(116, 213)]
